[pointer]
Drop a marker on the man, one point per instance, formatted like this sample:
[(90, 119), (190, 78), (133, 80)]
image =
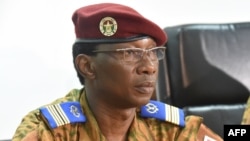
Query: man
[(116, 56)]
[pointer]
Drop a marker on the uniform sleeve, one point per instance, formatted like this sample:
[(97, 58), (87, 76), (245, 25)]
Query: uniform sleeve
[(31, 136), (27, 127), (32, 128)]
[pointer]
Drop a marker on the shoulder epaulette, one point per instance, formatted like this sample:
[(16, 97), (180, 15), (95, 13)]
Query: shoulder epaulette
[(63, 113), (165, 112)]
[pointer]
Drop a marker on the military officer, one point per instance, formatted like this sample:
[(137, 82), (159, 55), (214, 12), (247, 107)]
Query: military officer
[(116, 56)]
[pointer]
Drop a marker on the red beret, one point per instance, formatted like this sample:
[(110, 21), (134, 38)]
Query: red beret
[(114, 23)]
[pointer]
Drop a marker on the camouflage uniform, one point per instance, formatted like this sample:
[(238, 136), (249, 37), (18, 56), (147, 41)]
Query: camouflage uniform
[(34, 126)]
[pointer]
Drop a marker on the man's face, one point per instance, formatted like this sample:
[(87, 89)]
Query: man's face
[(125, 83)]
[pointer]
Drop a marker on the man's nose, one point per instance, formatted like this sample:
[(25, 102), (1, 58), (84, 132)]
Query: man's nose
[(147, 66)]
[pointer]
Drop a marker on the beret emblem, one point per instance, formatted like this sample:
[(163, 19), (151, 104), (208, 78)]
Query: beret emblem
[(108, 26)]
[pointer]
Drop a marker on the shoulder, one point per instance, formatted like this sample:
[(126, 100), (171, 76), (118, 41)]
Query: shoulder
[(158, 114), (63, 111), (163, 112), (29, 124), (35, 118), (31, 136), (59, 114), (73, 95)]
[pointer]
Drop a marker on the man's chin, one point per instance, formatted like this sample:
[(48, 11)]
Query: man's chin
[(143, 101)]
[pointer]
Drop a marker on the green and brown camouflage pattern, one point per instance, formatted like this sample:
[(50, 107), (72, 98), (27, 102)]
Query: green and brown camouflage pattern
[(35, 127)]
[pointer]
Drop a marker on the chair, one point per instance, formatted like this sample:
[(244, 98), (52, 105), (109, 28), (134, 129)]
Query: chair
[(207, 71)]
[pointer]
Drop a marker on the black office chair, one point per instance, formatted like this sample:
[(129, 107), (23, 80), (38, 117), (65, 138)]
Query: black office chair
[(207, 71)]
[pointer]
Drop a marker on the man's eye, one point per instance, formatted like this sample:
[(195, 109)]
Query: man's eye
[(153, 52), (131, 52)]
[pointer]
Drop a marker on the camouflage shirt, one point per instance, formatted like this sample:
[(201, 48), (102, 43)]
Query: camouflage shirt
[(35, 126)]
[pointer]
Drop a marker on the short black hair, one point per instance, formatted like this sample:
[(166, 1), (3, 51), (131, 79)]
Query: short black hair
[(83, 48)]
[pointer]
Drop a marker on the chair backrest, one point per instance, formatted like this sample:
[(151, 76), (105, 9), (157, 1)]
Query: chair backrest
[(207, 71)]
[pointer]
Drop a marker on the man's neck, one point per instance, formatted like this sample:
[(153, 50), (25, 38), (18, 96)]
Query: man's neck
[(115, 126), (113, 122)]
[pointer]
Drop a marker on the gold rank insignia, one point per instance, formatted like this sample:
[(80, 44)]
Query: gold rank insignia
[(108, 26)]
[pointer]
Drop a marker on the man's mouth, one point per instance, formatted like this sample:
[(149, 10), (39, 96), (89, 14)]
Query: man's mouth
[(146, 87)]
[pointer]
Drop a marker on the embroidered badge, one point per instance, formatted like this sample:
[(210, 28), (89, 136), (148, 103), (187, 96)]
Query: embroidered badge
[(108, 26), (151, 108), (74, 111)]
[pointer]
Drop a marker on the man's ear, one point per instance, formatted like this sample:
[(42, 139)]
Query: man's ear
[(84, 66)]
